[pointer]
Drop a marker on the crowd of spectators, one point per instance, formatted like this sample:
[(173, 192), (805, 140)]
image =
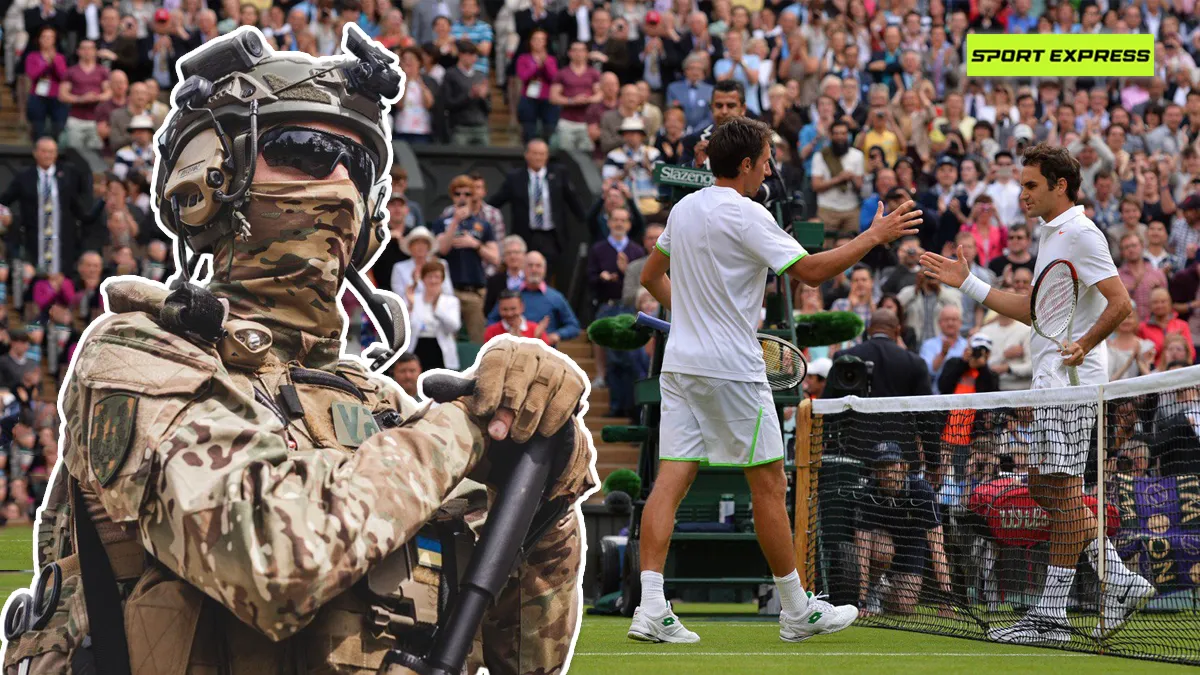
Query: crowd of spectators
[(869, 100)]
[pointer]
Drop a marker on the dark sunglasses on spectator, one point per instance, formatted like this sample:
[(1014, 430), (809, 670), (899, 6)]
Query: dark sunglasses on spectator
[(318, 153), (464, 193)]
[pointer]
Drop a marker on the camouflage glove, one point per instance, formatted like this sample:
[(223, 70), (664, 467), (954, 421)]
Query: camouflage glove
[(526, 387)]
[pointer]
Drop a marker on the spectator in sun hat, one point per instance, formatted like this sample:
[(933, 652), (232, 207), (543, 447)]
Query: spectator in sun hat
[(818, 373), (421, 246), (138, 156)]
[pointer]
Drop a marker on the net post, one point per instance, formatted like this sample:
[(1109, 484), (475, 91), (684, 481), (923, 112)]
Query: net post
[(1101, 508), (804, 490)]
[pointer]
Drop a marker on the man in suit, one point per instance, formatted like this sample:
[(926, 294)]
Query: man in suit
[(51, 201), (728, 102), (540, 200), (426, 11), (692, 93)]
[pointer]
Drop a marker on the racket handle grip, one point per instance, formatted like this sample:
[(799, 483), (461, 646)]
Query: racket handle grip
[(647, 321)]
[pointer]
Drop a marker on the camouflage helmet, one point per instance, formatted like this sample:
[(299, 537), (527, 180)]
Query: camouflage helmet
[(234, 89)]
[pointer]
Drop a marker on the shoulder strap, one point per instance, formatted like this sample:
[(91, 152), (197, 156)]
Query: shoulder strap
[(104, 609)]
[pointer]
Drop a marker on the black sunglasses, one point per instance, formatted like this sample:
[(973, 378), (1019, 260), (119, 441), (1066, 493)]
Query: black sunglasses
[(318, 153)]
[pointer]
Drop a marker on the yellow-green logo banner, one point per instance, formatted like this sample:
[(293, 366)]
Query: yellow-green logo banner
[(1060, 55)]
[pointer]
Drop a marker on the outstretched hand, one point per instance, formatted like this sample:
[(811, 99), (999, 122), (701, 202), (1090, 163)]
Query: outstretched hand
[(949, 272), (901, 222)]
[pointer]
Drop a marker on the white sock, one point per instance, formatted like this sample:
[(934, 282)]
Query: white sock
[(654, 603), (1114, 568), (792, 598), (1054, 595)]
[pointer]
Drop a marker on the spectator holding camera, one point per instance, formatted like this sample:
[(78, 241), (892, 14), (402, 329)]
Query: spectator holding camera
[(969, 372)]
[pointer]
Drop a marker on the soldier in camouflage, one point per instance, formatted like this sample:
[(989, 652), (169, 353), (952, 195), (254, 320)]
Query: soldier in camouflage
[(266, 503)]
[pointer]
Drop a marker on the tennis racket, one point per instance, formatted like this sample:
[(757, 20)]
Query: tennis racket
[(786, 366), (1052, 307)]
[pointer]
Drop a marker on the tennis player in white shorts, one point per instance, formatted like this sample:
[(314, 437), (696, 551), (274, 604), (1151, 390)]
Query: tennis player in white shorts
[(1050, 180), (717, 409)]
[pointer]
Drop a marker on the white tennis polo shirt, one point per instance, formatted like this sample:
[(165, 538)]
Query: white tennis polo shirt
[(1074, 237), (721, 245)]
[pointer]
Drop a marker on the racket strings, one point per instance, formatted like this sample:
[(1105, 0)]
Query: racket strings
[(785, 365), (1055, 302)]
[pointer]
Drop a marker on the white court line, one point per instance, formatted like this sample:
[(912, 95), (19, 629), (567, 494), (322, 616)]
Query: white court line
[(806, 654)]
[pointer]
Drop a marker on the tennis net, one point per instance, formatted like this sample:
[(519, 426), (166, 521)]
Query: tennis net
[(919, 511)]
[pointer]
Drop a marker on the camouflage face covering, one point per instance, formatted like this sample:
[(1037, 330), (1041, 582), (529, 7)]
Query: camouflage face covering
[(288, 273)]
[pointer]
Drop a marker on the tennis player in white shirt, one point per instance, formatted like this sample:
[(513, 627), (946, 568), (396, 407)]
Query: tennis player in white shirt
[(1050, 180), (716, 406)]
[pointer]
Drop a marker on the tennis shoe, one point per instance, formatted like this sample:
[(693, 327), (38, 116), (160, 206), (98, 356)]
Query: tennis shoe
[(665, 628), (819, 618), (1121, 601), (1033, 629)]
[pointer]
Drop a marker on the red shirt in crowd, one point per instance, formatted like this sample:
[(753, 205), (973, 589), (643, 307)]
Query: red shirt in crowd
[(1152, 331), (529, 330)]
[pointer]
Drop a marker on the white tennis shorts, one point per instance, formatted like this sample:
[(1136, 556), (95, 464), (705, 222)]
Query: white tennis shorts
[(1062, 434), (718, 422)]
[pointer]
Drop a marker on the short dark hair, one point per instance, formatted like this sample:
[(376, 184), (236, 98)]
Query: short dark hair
[(740, 138), (726, 86), (407, 357), (1056, 164), (839, 123), (507, 294)]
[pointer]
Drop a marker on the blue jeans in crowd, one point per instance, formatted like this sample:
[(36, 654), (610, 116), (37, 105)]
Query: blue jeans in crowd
[(530, 111), (41, 107)]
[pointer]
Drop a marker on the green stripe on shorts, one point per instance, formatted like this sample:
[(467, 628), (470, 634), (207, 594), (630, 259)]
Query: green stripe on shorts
[(754, 441)]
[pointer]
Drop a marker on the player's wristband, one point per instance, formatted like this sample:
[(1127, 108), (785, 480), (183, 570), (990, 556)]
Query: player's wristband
[(975, 288)]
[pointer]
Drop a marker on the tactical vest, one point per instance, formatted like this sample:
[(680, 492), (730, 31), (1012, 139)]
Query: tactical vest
[(173, 628)]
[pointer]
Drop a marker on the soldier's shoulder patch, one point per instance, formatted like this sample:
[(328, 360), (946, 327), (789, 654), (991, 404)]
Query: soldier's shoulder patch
[(353, 423), (114, 418)]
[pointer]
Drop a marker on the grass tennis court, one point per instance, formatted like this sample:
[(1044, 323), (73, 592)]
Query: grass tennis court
[(747, 643), (16, 548)]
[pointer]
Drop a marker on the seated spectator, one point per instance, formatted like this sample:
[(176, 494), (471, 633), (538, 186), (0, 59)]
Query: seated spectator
[(511, 275), (435, 318), (607, 263), (467, 242), (615, 194), (46, 69), (991, 238), (629, 105), (415, 216), (53, 289), (923, 303), (946, 204), (84, 88), (972, 311), (633, 165), (1129, 355), (1012, 354), (632, 285), (138, 156), (89, 302), (837, 176), (157, 263), (906, 337), (467, 99), (406, 274), (537, 71), (624, 368), (816, 376), (61, 339), (472, 28), (1175, 351), (1163, 321), (881, 133), (747, 69), (948, 344), (541, 301), (1138, 275), (14, 363), (669, 141), (882, 181), (610, 89), (692, 93), (964, 374), (120, 118), (1158, 254), (406, 372), (575, 89), (861, 299), (512, 319), (1131, 223)]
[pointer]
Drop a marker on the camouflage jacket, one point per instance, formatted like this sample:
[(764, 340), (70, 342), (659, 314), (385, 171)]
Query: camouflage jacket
[(272, 512)]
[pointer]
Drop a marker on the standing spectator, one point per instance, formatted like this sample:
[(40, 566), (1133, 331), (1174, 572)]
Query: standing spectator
[(837, 176), (1163, 321), (897, 371), (540, 200), (537, 70), (407, 372), (1016, 256), (747, 69), (628, 105), (972, 312), (512, 319), (414, 114), (472, 29), (1004, 190), (467, 99), (1131, 223), (616, 195), (861, 300), (1129, 355), (119, 119), (511, 276), (1094, 157), (946, 204), (535, 17), (669, 142), (14, 363), (608, 261), (882, 134), (610, 97), (692, 93), (435, 319), (904, 273), (46, 70), (814, 136), (1107, 201), (633, 163), (138, 156), (1185, 233), (85, 87), (1011, 359), (467, 243), (542, 302), (52, 200), (632, 285), (575, 89), (89, 273), (1138, 275), (1157, 252), (423, 14), (948, 344), (444, 46), (991, 238), (923, 303)]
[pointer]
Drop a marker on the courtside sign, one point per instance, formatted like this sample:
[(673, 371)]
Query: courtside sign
[(1060, 55)]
